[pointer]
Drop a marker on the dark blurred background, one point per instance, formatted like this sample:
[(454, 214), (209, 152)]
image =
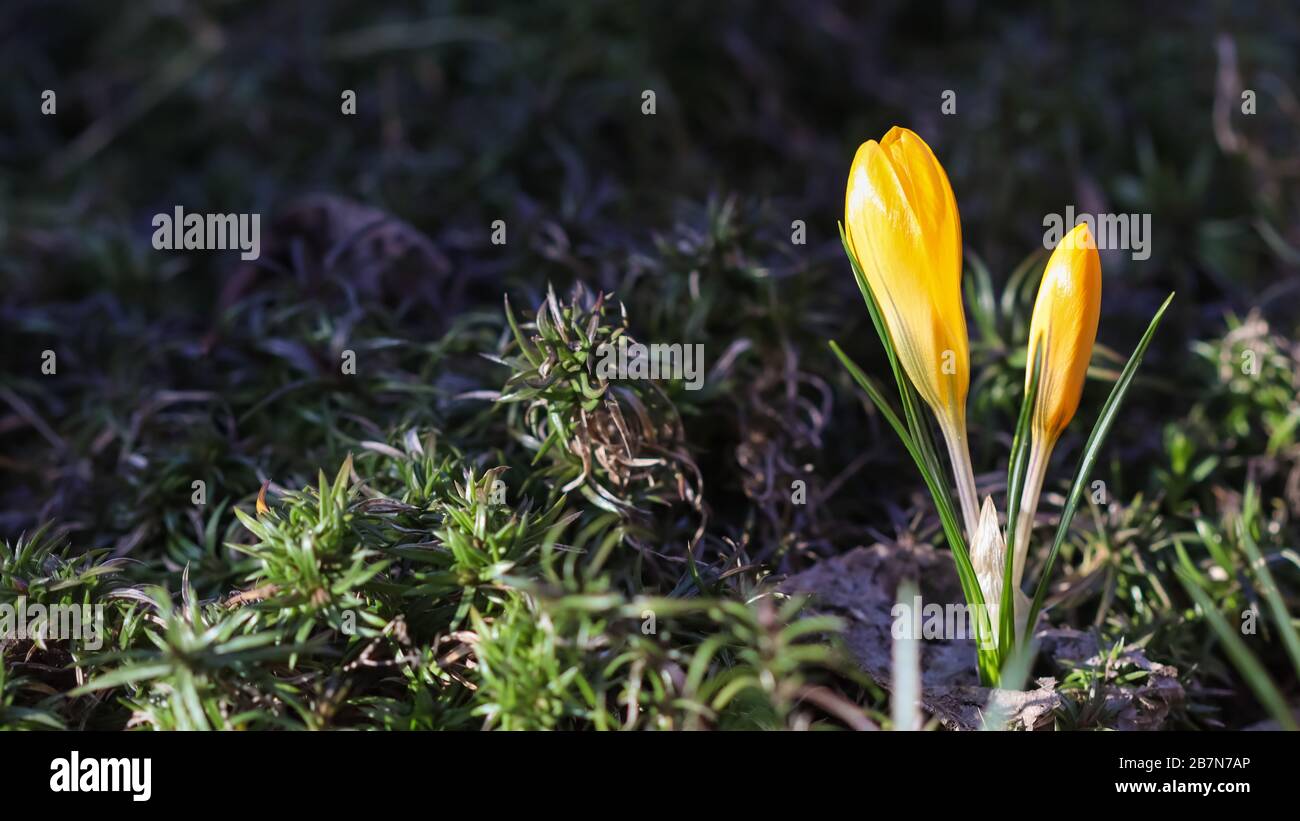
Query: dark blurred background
[(469, 112), (532, 113)]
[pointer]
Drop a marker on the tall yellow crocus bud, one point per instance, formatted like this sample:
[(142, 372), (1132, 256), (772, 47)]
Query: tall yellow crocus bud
[(904, 231), (1064, 328)]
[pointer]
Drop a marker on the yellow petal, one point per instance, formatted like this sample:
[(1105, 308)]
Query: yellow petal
[(904, 230), (1065, 327)]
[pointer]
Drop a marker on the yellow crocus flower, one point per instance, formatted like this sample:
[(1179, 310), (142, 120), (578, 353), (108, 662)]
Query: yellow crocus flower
[(1064, 328), (904, 231)]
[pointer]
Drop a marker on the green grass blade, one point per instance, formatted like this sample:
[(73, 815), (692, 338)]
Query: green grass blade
[(1268, 585), (1250, 667), (877, 399), (979, 295)]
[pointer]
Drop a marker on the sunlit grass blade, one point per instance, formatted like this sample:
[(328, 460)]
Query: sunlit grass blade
[(1266, 582), (906, 696), (1251, 669), (1091, 451)]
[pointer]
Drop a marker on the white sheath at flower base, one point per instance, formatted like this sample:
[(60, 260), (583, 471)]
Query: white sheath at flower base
[(988, 556)]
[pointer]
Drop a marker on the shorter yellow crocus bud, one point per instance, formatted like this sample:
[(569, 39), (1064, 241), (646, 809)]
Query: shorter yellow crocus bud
[(1064, 327)]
